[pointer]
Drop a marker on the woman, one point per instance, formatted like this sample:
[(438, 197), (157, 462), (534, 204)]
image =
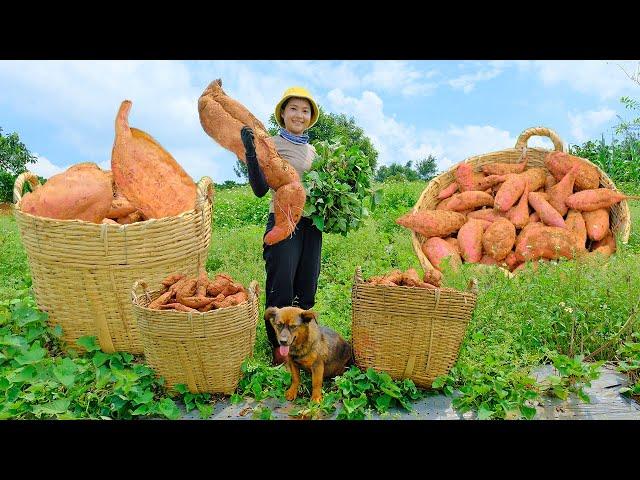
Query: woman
[(292, 265)]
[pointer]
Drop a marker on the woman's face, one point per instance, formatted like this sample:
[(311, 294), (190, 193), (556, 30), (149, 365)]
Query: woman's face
[(296, 115)]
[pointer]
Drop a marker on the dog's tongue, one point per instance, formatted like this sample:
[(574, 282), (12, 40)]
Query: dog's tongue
[(283, 351)]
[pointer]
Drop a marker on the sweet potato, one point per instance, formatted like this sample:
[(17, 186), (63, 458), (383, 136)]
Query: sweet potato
[(606, 246), (576, 224), (559, 163), (410, 278), (558, 194), (120, 207), (146, 174), (109, 221), (594, 199), (172, 278), (436, 249), (202, 283), (464, 177), (134, 217), (550, 182), (499, 238), (217, 285), (547, 242), (502, 168), (548, 214), (232, 300), (82, 192), (469, 200), (512, 260), (470, 240), (534, 217), (434, 277), (222, 118), (432, 223), (518, 215), (454, 243), (537, 178), (509, 193), (177, 306), (597, 223), (489, 214), (196, 301), (447, 192), (161, 300)]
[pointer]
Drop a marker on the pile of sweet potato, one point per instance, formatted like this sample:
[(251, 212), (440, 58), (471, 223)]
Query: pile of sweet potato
[(145, 182), (198, 294), (409, 278), (507, 214)]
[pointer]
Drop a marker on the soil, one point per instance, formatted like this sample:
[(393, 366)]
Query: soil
[(6, 209)]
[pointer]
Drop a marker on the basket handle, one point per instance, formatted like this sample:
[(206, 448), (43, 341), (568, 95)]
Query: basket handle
[(137, 285), (205, 191), (254, 289), (521, 143), (29, 177), (357, 277)]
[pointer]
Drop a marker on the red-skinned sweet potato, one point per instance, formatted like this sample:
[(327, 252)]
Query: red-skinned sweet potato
[(559, 163), (432, 223), (499, 238), (597, 223)]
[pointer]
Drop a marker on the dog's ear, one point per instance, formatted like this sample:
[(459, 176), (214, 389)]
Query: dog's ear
[(307, 315), (270, 314)]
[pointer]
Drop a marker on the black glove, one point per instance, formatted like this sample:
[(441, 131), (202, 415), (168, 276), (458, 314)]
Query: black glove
[(246, 134), (256, 177)]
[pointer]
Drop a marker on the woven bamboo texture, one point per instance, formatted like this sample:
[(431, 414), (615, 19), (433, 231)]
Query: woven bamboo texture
[(82, 272), (619, 213), (204, 351), (409, 332)]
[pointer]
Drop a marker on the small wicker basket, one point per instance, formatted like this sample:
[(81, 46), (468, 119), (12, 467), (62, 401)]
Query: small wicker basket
[(409, 332), (82, 272), (619, 213), (204, 351)]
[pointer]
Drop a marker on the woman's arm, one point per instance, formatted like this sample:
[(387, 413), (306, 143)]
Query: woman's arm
[(256, 177)]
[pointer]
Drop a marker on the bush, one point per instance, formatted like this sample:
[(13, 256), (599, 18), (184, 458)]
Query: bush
[(6, 186)]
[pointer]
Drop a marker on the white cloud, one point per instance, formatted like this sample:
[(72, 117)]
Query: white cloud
[(43, 167), (586, 124), (604, 79), (468, 82), (399, 76), (398, 142)]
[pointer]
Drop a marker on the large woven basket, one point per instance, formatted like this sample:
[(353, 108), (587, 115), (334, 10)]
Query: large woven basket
[(204, 351), (619, 213), (409, 332), (82, 272)]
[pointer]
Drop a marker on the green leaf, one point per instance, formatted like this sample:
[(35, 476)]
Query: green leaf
[(146, 397), (484, 412), (33, 355), (168, 408), (90, 343), (205, 410), (54, 407), (235, 399), (318, 222), (22, 374), (99, 358), (439, 382), (65, 372)]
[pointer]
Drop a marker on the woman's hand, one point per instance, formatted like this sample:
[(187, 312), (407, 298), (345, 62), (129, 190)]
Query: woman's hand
[(246, 134)]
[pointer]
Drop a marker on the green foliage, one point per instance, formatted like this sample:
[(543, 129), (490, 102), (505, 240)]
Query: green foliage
[(620, 159), (629, 354), (424, 170), (338, 187), (14, 155), (201, 401), (38, 381), (226, 185)]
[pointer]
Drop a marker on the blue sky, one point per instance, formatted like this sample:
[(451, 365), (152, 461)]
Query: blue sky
[(64, 111)]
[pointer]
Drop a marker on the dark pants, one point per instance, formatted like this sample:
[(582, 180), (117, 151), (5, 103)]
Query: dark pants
[(293, 267)]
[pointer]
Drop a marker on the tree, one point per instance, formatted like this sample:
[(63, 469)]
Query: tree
[(328, 127), (427, 168), (397, 172), (14, 155)]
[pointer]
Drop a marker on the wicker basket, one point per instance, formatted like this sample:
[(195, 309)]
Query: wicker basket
[(201, 350), (619, 213), (82, 272), (409, 332)]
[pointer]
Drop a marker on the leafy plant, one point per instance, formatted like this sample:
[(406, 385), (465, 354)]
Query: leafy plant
[(338, 186), (201, 401)]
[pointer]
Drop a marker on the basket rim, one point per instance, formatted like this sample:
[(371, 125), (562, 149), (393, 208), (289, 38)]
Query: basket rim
[(135, 300), (205, 183)]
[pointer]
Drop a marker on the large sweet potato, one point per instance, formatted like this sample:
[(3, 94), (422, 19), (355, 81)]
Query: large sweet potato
[(469, 200), (597, 223), (590, 200), (510, 191), (470, 240), (548, 214), (82, 192), (146, 174), (518, 215), (222, 118), (432, 223), (558, 194), (575, 223), (559, 164), (498, 239), (547, 242), (436, 249), (504, 168)]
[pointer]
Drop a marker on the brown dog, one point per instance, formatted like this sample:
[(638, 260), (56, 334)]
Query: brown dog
[(315, 348)]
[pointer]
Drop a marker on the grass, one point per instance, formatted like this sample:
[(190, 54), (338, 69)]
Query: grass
[(562, 312)]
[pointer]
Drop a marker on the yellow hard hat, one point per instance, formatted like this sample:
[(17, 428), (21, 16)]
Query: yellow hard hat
[(301, 93)]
